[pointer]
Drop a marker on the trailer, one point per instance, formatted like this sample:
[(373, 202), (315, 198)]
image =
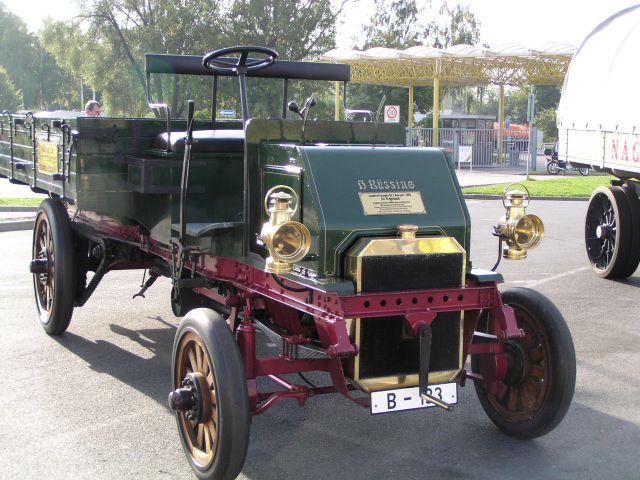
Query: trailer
[(598, 128), (345, 248)]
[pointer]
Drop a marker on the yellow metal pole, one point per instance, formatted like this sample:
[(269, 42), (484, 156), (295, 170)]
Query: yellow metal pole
[(436, 111), (337, 101), (410, 119), (500, 123)]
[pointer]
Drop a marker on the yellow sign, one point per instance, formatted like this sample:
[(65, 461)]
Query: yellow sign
[(47, 155), (391, 203)]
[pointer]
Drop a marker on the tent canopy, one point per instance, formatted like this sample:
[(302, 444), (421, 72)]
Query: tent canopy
[(457, 65)]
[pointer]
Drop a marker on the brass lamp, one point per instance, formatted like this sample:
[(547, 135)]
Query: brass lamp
[(287, 241), (521, 231)]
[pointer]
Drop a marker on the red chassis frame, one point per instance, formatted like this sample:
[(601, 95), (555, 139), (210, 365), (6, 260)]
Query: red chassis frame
[(255, 287)]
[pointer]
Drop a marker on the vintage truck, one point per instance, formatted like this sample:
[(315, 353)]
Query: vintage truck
[(598, 128), (348, 250)]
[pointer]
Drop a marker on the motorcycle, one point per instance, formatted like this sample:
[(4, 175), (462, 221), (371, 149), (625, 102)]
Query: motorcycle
[(554, 166)]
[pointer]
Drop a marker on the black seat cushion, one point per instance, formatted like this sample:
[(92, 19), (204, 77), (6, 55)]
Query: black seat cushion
[(204, 141)]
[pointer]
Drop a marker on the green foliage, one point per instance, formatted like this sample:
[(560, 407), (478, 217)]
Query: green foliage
[(516, 105), (547, 96), (546, 122), (106, 45), (18, 55), (460, 26), (560, 186), (20, 202), (395, 24), (10, 96), (30, 68), (398, 24)]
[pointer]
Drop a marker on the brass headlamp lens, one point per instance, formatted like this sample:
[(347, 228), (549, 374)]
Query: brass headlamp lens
[(290, 242), (528, 231)]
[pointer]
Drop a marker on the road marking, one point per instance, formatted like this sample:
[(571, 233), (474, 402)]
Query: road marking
[(560, 275)]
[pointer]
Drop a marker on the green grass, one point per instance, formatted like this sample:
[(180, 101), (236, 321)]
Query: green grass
[(561, 186), (20, 202)]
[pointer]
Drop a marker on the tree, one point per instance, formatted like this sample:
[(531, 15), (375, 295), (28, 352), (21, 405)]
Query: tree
[(10, 96), (458, 26), (106, 46), (545, 121), (297, 30), (394, 25), (18, 55)]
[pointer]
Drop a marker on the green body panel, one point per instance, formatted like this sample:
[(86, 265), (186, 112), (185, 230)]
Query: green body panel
[(331, 179), (113, 167)]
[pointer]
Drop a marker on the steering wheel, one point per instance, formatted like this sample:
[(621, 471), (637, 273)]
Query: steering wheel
[(213, 62)]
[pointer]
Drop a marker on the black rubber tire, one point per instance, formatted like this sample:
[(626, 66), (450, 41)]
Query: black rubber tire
[(184, 300), (57, 292), (583, 171), (552, 167), (610, 210), (634, 251), (535, 312), (232, 399)]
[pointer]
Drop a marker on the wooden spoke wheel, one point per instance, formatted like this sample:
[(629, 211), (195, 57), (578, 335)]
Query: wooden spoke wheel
[(612, 232), (541, 369), (52, 266), (210, 396)]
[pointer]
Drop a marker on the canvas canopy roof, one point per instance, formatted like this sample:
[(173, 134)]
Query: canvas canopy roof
[(601, 91)]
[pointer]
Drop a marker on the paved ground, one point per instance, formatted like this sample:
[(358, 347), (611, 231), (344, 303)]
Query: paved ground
[(92, 403)]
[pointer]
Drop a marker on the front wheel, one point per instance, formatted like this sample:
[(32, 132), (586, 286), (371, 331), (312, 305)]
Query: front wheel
[(552, 167), (210, 396), (583, 171), (536, 392)]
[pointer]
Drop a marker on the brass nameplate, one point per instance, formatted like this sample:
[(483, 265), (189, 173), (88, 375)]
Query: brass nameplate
[(391, 203), (47, 157)]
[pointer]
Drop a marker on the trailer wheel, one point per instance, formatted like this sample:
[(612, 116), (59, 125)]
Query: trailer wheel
[(210, 396), (53, 267), (541, 373), (609, 233), (634, 252)]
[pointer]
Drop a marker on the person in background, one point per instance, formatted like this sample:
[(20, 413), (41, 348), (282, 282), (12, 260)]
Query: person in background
[(93, 108)]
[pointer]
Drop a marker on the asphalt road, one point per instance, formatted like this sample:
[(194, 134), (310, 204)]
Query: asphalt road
[(92, 403)]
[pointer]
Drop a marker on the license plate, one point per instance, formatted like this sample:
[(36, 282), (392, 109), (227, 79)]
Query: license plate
[(388, 401)]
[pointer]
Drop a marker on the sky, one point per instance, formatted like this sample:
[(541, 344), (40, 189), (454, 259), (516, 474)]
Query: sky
[(502, 22)]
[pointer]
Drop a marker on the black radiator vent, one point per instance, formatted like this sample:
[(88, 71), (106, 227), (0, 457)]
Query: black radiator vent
[(387, 350), (411, 272)]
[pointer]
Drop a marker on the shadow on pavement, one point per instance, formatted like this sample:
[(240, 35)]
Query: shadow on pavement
[(332, 438), (150, 376)]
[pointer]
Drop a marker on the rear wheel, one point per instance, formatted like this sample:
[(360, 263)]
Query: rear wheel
[(552, 167), (210, 395), (609, 234), (583, 171), (539, 384), (53, 267)]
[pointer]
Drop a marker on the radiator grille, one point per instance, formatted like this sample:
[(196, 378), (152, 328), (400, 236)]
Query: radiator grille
[(386, 349), (383, 273), (389, 355)]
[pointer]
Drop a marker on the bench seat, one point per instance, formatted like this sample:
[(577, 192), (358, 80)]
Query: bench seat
[(204, 141)]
